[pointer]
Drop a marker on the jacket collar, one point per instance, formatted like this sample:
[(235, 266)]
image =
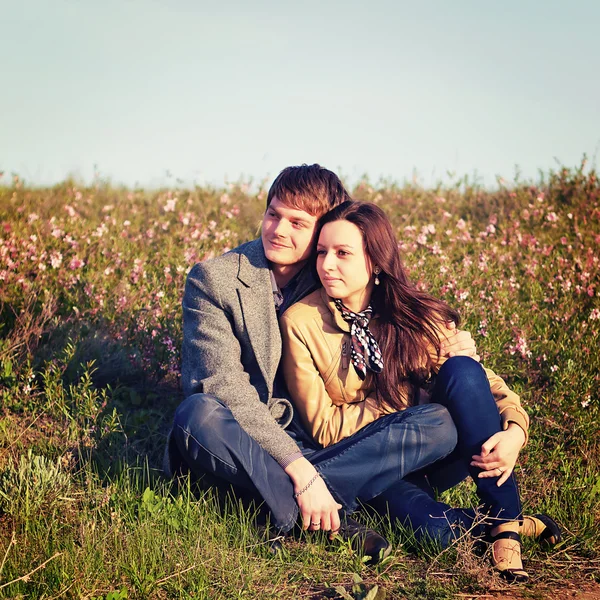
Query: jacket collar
[(254, 267), (337, 315), (258, 308)]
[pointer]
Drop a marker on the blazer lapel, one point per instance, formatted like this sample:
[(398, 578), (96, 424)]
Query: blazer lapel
[(258, 308)]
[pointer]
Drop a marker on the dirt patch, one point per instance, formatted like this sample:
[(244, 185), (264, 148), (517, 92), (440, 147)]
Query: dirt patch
[(570, 591)]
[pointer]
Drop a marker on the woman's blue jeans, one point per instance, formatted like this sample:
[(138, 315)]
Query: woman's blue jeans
[(358, 468), (463, 388)]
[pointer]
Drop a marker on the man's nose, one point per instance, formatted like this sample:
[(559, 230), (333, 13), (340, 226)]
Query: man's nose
[(282, 228)]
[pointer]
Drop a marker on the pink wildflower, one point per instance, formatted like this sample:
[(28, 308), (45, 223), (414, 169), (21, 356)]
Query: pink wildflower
[(520, 346), (55, 260), (76, 263), (170, 205)]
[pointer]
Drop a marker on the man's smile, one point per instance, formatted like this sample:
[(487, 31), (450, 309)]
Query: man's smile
[(276, 244)]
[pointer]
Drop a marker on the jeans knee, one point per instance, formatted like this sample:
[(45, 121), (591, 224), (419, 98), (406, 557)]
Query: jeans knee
[(199, 414), (462, 373), (444, 431), (461, 366)]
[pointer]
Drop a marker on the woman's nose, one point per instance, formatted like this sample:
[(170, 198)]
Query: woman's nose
[(328, 262)]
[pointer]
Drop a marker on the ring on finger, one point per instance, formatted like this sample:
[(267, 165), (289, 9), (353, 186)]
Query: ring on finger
[(316, 524), (501, 469)]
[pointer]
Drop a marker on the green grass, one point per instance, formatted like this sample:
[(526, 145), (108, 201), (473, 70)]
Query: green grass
[(90, 289)]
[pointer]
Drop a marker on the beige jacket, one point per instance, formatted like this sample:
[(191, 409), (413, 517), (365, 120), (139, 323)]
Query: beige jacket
[(330, 397)]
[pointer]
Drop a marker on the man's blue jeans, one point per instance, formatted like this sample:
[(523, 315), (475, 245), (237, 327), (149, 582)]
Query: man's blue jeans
[(358, 468), (463, 388)]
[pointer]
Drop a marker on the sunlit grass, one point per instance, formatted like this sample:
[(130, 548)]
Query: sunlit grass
[(91, 280)]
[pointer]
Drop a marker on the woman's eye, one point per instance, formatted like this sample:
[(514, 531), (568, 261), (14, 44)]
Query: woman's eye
[(320, 252)]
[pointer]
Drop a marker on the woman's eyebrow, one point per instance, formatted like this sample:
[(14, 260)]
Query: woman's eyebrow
[(337, 246)]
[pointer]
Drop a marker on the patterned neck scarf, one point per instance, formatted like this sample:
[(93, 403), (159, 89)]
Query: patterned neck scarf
[(365, 350)]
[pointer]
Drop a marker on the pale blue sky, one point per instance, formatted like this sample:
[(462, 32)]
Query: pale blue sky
[(210, 91)]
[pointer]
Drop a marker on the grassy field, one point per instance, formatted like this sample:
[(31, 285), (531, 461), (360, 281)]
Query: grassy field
[(91, 280)]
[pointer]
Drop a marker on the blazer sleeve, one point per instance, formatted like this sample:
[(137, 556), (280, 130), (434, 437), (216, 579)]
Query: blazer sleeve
[(509, 403), (212, 363), (325, 421)]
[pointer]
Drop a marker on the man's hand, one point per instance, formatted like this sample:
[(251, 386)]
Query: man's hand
[(499, 454), (458, 343), (318, 507)]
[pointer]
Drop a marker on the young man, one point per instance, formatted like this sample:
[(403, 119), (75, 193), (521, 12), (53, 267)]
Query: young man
[(236, 422)]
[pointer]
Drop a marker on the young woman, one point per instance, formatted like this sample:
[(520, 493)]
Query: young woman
[(368, 344)]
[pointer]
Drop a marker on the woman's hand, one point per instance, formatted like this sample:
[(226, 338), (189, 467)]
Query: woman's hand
[(317, 506), (458, 343), (499, 454)]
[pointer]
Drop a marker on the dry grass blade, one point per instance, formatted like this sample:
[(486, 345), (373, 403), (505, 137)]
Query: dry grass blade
[(28, 575)]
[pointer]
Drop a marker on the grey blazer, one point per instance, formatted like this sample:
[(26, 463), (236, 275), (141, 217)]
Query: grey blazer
[(232, 345)]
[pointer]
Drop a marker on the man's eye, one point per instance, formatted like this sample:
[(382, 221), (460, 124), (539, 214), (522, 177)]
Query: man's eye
[(297, 224)]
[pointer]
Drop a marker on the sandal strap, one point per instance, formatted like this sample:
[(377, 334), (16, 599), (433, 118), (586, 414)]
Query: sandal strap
[(514, 575), (551, 530), (506, 535)]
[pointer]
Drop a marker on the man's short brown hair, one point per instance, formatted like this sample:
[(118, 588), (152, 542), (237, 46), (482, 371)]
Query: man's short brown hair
[(310, 188)]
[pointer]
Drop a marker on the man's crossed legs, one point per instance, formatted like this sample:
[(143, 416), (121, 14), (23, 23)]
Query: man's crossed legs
[(358, 468)]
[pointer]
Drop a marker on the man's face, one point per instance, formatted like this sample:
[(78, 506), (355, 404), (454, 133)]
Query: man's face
[(287, 234)]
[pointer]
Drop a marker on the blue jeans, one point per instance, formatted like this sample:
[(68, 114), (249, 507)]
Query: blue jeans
[(463, 388), (357, 468)]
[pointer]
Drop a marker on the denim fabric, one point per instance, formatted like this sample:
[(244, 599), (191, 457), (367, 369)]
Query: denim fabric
[(463, 388), (357, 468)]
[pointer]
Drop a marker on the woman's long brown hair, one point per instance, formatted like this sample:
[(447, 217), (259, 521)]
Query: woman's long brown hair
[(409, 318)]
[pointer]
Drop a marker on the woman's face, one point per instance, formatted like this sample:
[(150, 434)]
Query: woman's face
[(343, 265)]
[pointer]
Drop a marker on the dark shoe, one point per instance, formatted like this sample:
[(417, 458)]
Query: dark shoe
[(364, 540), (173, 463), (506, 550), (542, 528), (272, 539)]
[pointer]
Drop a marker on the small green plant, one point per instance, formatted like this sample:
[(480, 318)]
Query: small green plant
[(31, 485), (116, 595), (360, 590)]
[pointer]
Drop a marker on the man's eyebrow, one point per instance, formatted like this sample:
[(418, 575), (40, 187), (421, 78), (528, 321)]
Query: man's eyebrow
[(301, 219), (291, 218)]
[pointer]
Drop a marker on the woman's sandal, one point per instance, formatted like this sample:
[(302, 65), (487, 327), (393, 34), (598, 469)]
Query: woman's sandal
[(503, 544), (542, 528)]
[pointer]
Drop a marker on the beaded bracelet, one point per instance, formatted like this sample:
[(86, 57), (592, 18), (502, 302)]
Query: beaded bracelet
[(307, 485)]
